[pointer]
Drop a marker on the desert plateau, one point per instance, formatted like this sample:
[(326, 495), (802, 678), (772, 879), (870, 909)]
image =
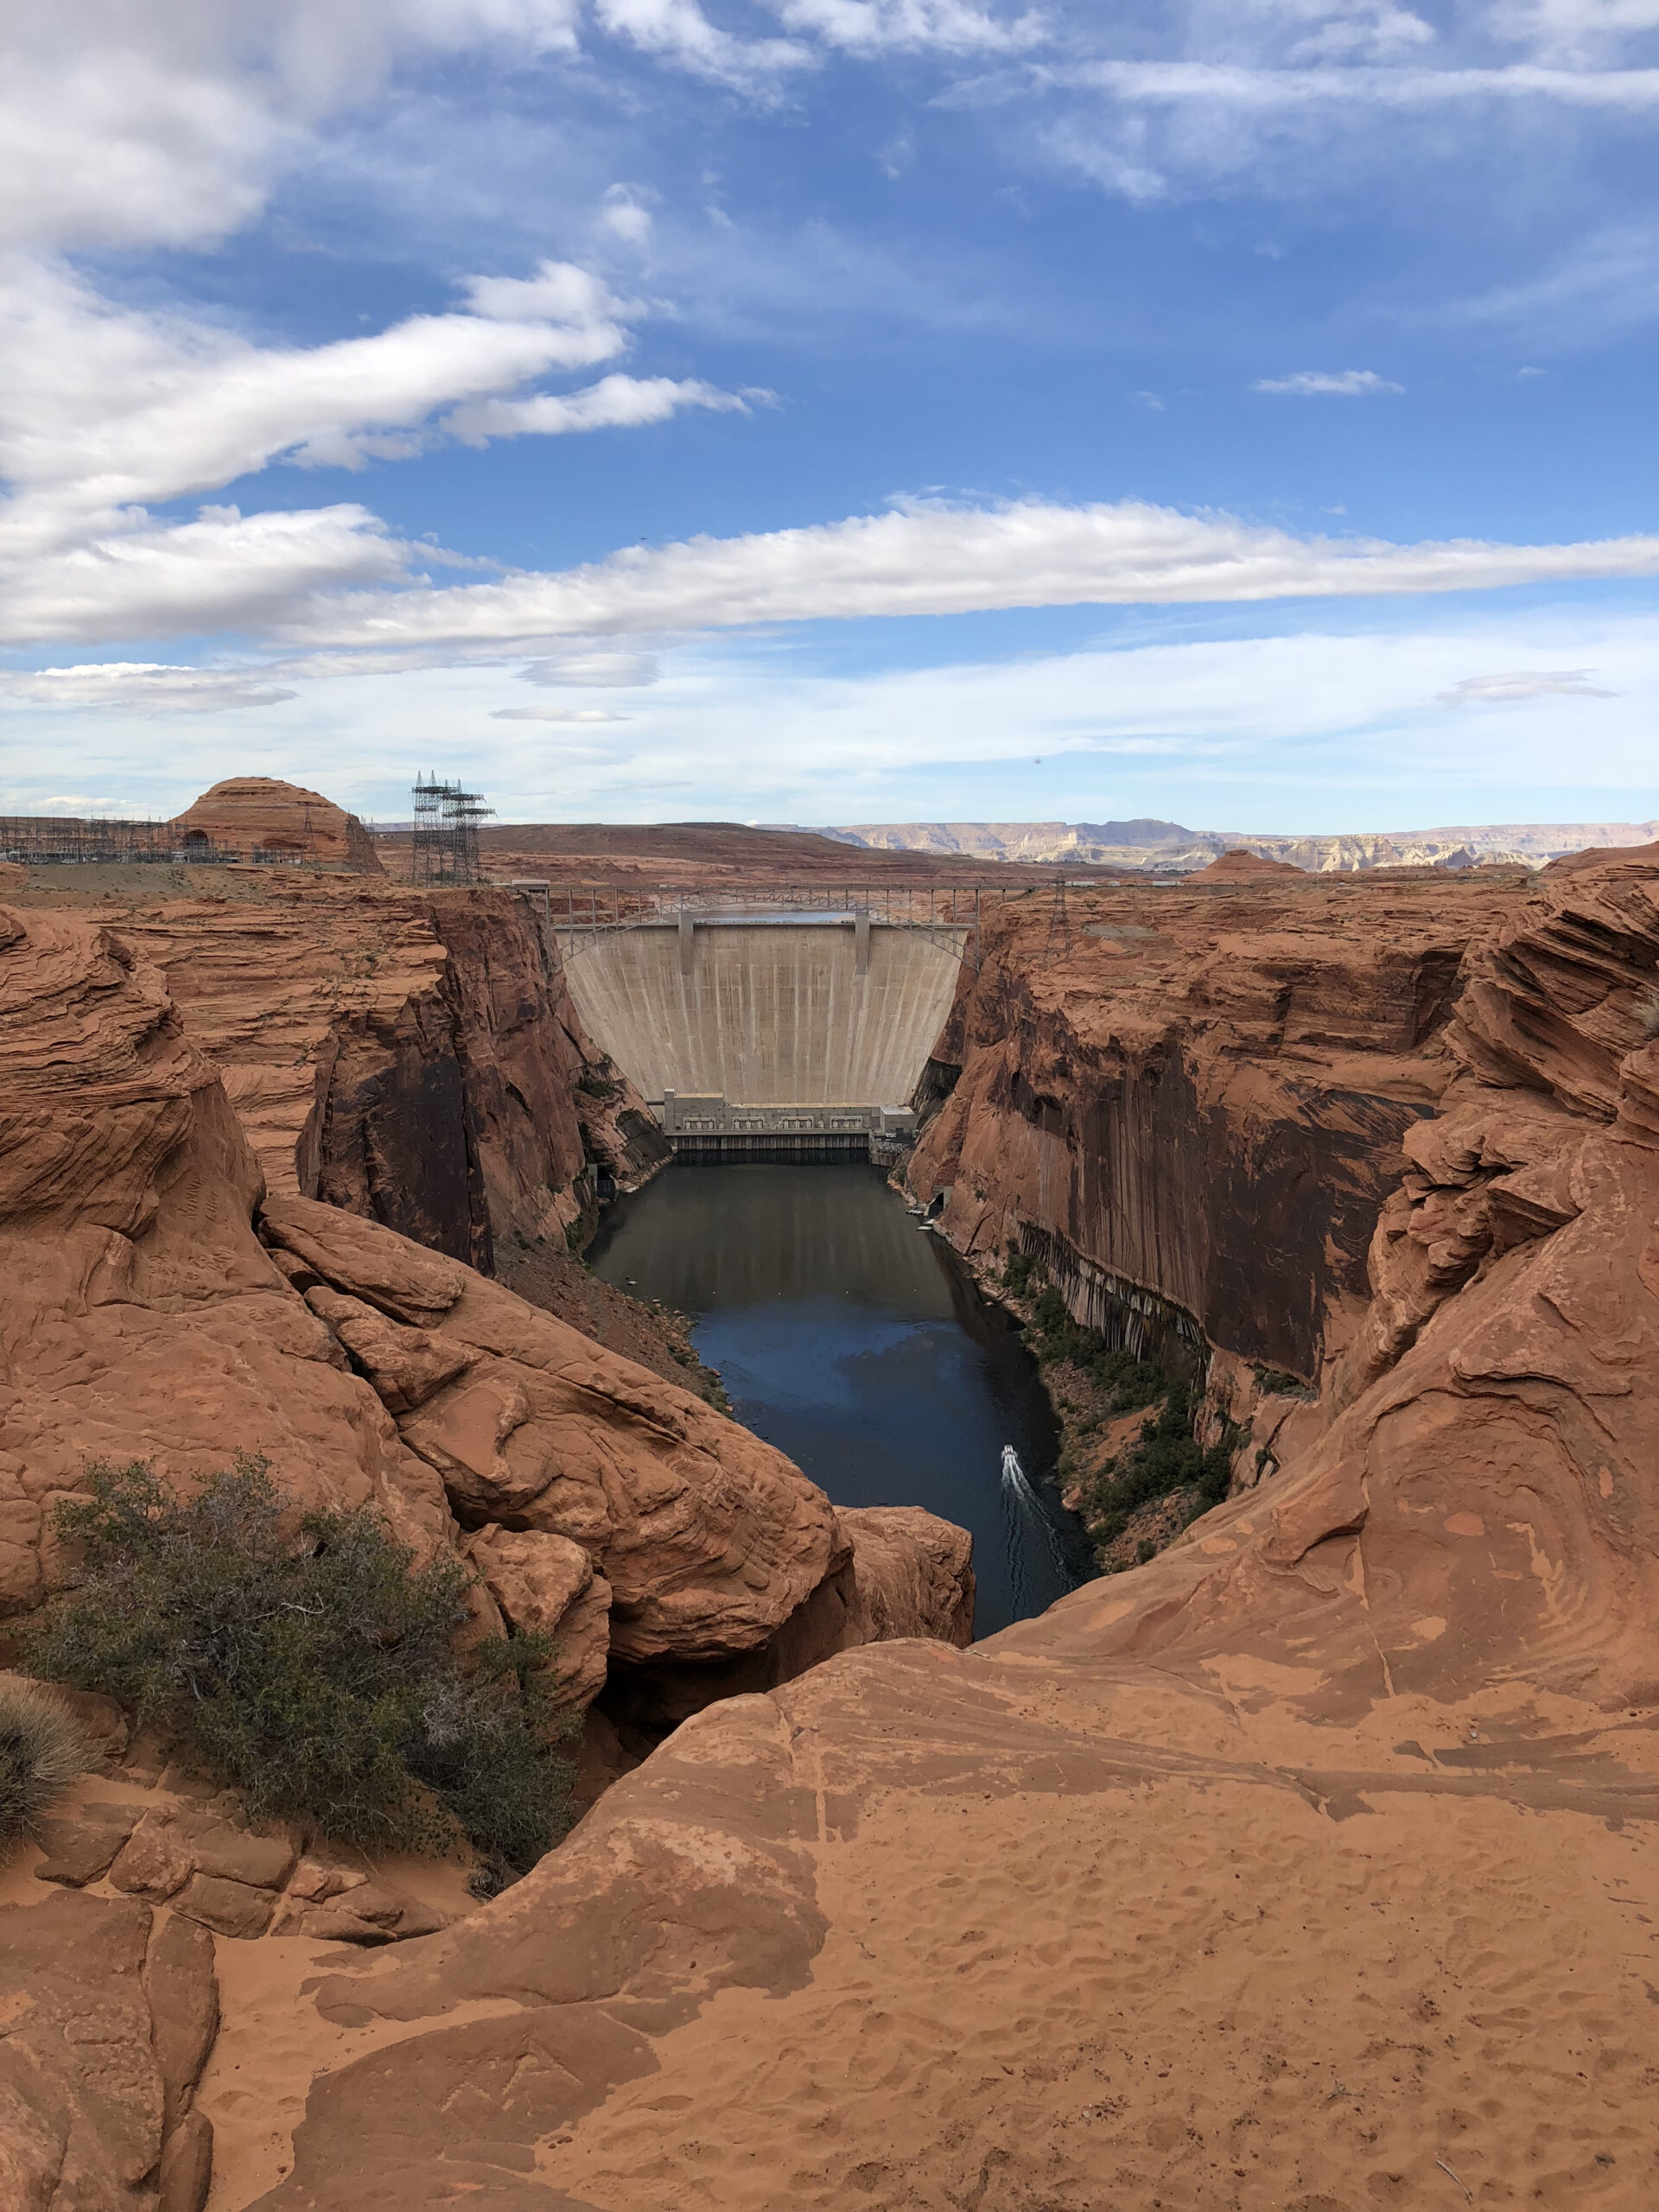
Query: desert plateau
[(1301, 1858)]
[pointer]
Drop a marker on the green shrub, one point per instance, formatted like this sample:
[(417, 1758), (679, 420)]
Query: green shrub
[(1019, 1270), (313, 1671), (1132, 1382), (1166, 1457), (1274, 1382), (41, 1752), (1054, 1335)]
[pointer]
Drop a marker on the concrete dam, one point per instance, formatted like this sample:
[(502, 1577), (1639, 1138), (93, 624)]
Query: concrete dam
[(743, 1034)]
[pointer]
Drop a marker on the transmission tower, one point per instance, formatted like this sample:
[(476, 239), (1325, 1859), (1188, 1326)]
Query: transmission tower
[(445, 841)]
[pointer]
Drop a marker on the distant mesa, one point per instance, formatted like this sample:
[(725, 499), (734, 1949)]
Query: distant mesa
[(261, 815), (1240, 866), (1156, 847)]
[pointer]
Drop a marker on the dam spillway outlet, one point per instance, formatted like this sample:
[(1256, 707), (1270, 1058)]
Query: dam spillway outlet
[(837, 1016), (700, 1127)]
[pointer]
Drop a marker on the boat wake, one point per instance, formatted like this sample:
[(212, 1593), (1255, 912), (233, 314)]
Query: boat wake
[(1035, 1543)]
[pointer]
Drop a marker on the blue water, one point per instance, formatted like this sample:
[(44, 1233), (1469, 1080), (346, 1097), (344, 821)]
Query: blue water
[(858, 1343)]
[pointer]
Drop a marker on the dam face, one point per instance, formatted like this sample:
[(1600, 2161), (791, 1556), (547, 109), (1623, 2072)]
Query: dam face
[(774, 1014)]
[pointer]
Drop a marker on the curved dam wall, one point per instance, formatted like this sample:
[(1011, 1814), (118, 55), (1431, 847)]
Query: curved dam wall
[(767, 1013)]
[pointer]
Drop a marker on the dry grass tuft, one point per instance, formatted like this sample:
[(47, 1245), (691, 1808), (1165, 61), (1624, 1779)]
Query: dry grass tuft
[(42, 1750)]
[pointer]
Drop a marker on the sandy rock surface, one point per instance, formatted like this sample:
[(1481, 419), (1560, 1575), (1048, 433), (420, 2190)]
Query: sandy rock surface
[(109, 2012), (1311, 1865)]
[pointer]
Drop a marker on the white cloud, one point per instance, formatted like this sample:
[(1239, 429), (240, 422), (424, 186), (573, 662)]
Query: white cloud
[(224, 570), (1571, 30), (334, 577), (1524, 683), (604, 669), (626, 214), (679, 31), (1309, 729), (123, 125), (938, 560), (1179, 83), (555, 715), (1365, 35), (142, 687), (881, 26), (617, 402), (1345, 384), (105, 408), (105, 412)]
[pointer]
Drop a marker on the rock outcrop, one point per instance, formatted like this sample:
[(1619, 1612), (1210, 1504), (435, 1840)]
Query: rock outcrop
[(913, 1575), (1307, 1865), (1194, 1109), (145, 1318), (110, 2011), (412, 1056), (261, 817), (707, 1539), (1238, 866)]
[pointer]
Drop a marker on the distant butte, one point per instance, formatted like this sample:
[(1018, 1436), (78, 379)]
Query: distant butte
[(1240, 866)]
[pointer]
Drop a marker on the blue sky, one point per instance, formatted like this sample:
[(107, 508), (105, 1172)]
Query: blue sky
[(835, 410)]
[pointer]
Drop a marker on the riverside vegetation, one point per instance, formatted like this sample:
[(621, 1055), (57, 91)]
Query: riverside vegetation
[(313, 1670), (1135, 1499)]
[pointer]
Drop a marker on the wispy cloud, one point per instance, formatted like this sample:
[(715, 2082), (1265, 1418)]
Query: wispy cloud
[(607, 668), (1181, 83), (1342, 384), (936, 559), (1315, 728), (143, 687), (555, 715), (298, 578), (1524, 683)]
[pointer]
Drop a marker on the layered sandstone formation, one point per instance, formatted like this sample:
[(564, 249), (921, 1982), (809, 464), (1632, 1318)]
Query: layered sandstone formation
[(1238, 866), (261, 816), (1309, 1864), (145, 1318), (1193, 1104), (413, 1057)]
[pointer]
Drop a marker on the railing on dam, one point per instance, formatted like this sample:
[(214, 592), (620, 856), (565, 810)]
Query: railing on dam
[(583, 915)]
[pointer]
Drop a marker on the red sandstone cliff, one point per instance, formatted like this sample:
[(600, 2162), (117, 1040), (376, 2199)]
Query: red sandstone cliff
[(1309, 1864), (1196, 1108), (143, 1318), (414, 1058)]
